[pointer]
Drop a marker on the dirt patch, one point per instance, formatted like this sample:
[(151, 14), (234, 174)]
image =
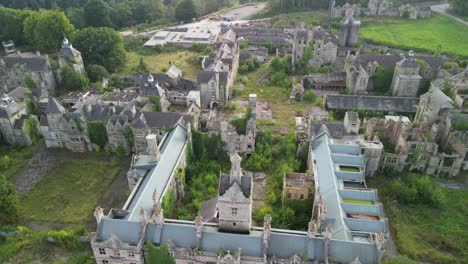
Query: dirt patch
[(37, 166)]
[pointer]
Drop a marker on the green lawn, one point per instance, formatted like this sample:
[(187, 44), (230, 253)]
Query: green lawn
[(187, 61), (349, 169), (363, 202), (423, 34), (310, 18), (18, 157), (429, 234), (69, 192)]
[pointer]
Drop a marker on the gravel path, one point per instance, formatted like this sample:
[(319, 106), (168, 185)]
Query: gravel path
[(37, 166)]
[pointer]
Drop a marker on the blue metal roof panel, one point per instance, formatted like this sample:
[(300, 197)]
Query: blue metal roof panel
[(182, 235), (126, 231), (160, 175), (329, 185), (251, 245), (285, 245)]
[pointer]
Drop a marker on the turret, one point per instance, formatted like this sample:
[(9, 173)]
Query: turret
[(236, 172), (152, 147)]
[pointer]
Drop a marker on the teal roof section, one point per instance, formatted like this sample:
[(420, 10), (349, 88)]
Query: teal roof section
[(159, 177), (360, 211)]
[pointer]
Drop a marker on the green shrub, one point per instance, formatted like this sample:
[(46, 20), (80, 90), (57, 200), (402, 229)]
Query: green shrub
[(310, 96), (97, 133)]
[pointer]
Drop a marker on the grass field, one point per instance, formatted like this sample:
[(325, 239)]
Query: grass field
[(423, 34), (310, 18), (187, 61), (425, 233), (363, 202), (68, 193), (283, 108), (18, 156)]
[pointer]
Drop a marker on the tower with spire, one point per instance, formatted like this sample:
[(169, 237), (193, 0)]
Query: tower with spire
[(234, 202)]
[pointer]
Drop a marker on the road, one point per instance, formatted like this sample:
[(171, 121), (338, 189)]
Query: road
[(443, 10), (239, 15)]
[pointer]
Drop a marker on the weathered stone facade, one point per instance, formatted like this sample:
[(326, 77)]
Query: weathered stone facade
[(16, 68), (219, 70), (13, 118), (406, 78)]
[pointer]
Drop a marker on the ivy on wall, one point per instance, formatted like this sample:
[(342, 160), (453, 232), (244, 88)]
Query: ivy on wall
[(97, 133)]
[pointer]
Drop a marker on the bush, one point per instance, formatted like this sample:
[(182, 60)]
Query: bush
[(9, 202), (97, 134), (415, 189), (310, 96), (96, 73)]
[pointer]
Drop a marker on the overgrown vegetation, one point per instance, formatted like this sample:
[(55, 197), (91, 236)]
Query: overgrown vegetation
[(13, 159), (277, 155), (31, 246), (97, 133), (428, 222), (31, 127), (205, 161), (54, 199), (281, 68), (382, 80), (241, 122), (158, 255), (9, 202)]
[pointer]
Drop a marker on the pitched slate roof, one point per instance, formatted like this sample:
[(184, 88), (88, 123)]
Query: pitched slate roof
[(53, 107), (33, 63), (225, 184), (161, 119), (205, 76), (372, 103)]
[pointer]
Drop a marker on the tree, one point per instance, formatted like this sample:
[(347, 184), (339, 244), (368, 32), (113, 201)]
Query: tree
[(158, 255), (185, 11), (96, 73), (156, 101), (45, 29), (12, 24), (71, 80), (97, 133), (76, 17), (96, 13), (9, 201), (30, 83), (142, 67), (382, 80), (459, 7), (148, 10), (101, 46)]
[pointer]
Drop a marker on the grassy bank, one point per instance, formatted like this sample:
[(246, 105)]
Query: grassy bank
[(187, 61), (437, 32), (69, 191), (436, 234), (13, 159)]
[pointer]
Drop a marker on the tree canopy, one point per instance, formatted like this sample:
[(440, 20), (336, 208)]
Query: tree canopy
[(101, 46), (96, 13), (8, 201), (158, 255), (71, 80), (459, 7), (96, 73), (46, 29), (185, 11)]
